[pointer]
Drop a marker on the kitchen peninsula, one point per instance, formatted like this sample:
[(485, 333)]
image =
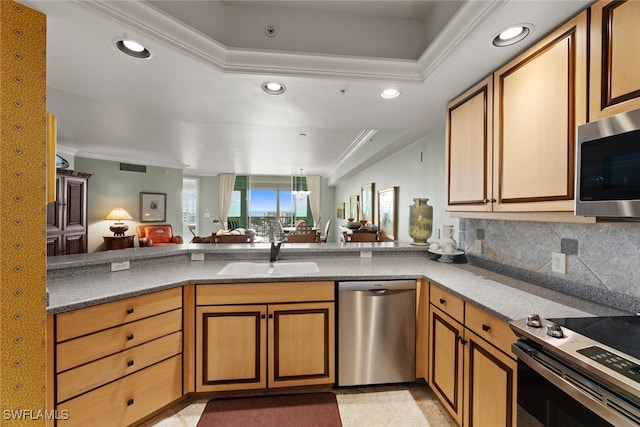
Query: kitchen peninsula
[(148, 322), (79, 281)]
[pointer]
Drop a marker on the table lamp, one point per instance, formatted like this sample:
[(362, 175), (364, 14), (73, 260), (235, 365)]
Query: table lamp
[(119, 227)]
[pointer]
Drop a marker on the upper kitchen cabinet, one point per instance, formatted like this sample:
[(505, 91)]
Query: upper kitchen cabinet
[(614, 80), (469, 148), (510, 146)]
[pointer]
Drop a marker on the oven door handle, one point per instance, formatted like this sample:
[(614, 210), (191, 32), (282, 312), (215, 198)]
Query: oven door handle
[(589, 394)]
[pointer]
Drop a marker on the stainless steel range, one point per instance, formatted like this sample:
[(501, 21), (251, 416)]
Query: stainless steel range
[(578, 371)]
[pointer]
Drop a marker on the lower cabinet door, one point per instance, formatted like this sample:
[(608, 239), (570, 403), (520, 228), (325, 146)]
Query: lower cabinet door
[(490, 377), (231, 347), (127, 400), (446, 357), (301, 344)]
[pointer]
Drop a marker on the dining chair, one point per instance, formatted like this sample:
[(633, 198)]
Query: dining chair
[(363, 236), (303, 227), (303, 238), (327, 229)]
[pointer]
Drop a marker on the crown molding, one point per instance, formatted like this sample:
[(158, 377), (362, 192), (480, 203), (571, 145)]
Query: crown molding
[(145, 19), (458, 31)]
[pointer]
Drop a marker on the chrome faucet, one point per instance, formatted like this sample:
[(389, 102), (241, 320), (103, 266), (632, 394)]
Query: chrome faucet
[(275, 250)]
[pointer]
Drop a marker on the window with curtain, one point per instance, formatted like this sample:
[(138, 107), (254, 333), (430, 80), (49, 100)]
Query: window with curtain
[(189, 206), (268, 198)]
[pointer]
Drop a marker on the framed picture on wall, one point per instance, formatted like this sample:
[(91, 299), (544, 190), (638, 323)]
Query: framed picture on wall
[(388, 212), (353, 207), (367, 203), (153, 207), (340, 210)]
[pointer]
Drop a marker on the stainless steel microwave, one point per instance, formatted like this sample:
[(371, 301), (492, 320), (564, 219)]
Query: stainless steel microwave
[(608, 167)]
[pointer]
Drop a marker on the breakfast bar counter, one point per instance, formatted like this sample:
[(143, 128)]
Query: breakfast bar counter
[(85, 280)]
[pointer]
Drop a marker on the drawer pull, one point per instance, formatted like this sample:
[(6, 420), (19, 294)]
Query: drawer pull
[(129, 337), (130, 402), (130, 310), (485, 327), (443, 301), (129, 362)]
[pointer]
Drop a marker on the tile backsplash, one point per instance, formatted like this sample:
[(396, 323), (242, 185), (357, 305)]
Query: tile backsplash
[(603, 259)]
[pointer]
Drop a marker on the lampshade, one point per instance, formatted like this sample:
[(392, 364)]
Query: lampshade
[(118, 214)]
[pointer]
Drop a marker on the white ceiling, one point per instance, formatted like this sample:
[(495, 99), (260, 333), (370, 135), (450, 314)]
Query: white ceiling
[(196, 104)]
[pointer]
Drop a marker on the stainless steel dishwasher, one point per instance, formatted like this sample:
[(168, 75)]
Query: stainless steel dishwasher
[(376, 332)]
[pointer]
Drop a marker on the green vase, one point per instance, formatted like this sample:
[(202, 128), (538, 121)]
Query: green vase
[(420, 221)]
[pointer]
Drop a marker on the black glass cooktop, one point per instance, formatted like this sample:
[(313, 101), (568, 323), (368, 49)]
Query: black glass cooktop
[(619, 332)]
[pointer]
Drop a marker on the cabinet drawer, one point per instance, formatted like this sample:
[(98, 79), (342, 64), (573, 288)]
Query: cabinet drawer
[(263, 293), (92, 319), (447, 302), (128, 400), (91, 347), (489, 327), (92, 375)]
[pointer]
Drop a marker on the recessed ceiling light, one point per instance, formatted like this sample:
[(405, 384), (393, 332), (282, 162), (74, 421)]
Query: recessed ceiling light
[(273, 88), (389, 93), (133, 48), (512, 35)]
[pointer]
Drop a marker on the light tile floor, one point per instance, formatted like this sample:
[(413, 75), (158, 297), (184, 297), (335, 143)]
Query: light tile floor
[(372, 406)]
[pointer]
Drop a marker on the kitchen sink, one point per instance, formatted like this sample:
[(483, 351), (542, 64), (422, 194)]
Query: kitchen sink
[(295, 267), (266, 269)]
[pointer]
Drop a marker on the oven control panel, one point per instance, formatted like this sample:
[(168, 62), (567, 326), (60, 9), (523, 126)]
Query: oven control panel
[(612, 361)]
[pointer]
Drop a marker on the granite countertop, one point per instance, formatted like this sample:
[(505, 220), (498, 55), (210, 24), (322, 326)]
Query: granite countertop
[(505, 297)]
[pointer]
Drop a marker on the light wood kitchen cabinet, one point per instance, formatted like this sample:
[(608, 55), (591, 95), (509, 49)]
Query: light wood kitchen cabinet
[(266, 335), (520, 157), (471, 367), (469, 149), (446, 361), (118, 362), (614, 79), (490, 371)]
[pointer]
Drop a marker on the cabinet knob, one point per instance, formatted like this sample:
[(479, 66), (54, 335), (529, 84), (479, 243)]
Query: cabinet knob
[(462, 341), (129, 362), (129, 337), (485, 327), (262, 316), (130, 310), (130, 402), (271, 316), (443, 301)]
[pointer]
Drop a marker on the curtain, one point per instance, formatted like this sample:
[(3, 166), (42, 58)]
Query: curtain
[(227, 183), (313, 185)]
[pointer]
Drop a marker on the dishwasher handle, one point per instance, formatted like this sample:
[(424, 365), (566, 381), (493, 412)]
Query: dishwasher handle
[(379, 291)]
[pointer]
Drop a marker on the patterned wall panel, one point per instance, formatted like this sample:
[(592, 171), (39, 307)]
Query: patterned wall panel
[(22, 215)]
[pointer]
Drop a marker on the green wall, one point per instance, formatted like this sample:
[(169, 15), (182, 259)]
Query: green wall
[(418, 170), (109, 187)]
